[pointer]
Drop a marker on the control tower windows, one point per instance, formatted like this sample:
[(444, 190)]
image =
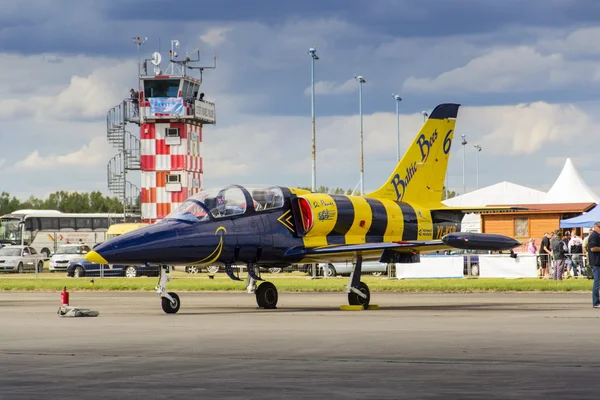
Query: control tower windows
[(161, 87)]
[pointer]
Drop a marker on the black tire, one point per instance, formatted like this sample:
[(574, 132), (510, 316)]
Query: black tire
[(331, 272), (275, 270), (40, 266), (266, 295), (78, 272), (356, 300), (168, 307), (192, 269), (46, 253), (20, 268), (130, 272)]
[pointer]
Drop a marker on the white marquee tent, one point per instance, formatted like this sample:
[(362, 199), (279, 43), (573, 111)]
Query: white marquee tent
[(569, 187)]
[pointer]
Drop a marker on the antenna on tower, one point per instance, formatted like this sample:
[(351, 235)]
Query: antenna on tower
[(139, 42), (184, 64), (201, 68)]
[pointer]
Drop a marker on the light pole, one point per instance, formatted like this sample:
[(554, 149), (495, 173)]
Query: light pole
[(425, 115), (313, 54), (478, 147), (464, 144), (361, 80), (398, 100)]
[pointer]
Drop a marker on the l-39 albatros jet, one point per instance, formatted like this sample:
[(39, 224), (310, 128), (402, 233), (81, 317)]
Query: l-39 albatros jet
[(275, 226)]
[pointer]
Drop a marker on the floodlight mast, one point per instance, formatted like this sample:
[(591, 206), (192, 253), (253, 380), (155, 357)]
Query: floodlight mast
[(360, 79), (398, 100), (313, 53)]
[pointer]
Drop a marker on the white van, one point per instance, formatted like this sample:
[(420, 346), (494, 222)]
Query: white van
[(65, 254)]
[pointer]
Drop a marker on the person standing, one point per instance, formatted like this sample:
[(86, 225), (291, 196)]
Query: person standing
[(594, 257), (575, 252), (544, 255), (532, 248), (559, 249)]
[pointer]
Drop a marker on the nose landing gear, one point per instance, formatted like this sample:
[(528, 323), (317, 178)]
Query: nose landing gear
[(169, 300)]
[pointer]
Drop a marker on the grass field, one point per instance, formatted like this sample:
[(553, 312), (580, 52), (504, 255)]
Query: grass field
[(287, 282)]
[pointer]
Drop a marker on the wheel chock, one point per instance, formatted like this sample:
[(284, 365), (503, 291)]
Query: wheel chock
[(351, 308), (358, 308)]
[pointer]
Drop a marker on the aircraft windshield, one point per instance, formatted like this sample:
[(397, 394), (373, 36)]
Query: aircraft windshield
[(223, 202), (227, 201)]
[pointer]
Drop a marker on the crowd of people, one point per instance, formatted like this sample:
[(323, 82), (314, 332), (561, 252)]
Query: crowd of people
[(561, 255)]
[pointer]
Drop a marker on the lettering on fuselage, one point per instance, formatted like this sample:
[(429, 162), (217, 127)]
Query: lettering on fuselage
[(400, 183), (322, 203), (425, 232), (326, 215), (443, 230)]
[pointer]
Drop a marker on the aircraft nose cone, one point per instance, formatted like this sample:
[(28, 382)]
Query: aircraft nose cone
[(148, 244), (94, 257)]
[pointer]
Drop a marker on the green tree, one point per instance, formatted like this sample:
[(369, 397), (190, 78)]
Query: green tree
[(75, 202)]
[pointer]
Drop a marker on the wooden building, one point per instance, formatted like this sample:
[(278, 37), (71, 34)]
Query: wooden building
[(532, 223)]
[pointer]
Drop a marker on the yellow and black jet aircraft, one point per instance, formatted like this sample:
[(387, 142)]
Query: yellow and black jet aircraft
[(276, 226)]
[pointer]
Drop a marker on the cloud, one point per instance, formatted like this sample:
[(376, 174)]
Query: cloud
[(92, 155), (328, 87), (215, 36), (40, 86), (508, 70), (526, 128), (553, 61)]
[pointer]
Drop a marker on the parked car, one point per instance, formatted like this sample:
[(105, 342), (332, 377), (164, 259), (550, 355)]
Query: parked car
[(20, 259), (65, 254), (80, 268), (345, 268), (471, 255)]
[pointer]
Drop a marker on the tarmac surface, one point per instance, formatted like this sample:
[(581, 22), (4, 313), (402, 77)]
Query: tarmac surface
[(220, 346)]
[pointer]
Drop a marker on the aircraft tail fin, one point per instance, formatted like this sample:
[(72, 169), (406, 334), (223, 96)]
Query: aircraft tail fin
[(419, 176)]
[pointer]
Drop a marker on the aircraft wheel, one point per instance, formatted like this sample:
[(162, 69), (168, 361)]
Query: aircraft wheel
[(356, 300), (171, 307), (266, 295)]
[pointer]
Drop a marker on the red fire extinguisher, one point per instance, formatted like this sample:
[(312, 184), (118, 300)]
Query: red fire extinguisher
[(64, 297)]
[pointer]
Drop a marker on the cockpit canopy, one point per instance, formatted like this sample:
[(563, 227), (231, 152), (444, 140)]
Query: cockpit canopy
[(228, 201)]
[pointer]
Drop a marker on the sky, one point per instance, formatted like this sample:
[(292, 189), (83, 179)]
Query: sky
[(527, 78)]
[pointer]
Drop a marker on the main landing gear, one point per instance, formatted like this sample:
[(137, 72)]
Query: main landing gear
[(170, 300), (358, 292), (266, 293)]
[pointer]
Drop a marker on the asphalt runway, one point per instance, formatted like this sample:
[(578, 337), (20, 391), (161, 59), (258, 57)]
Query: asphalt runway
[(220, 346)]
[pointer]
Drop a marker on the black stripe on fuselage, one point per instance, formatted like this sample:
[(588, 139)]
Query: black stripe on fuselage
[(379, 222), (345, 219), (411, 224)]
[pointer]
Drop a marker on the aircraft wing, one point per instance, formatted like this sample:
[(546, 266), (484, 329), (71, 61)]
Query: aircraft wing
[(458, 240), (410, 246)]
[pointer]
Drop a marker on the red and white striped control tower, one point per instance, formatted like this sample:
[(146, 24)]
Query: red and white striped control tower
[(171, 112)]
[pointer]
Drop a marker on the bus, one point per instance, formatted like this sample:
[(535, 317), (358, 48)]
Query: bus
[(45, 230)]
